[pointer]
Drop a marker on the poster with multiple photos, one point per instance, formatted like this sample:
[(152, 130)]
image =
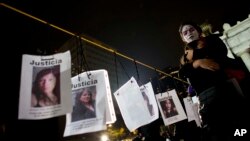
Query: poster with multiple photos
[(45, 88)]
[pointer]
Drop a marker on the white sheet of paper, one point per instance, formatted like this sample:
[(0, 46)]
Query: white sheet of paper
[(110, 110), (195, 99), (132, 106), (80, 121), (149, 98), (35, 104), (188, 103), (172, 95), (197, 118)]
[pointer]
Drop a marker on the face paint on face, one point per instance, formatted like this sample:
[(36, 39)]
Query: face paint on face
[(189, 33)]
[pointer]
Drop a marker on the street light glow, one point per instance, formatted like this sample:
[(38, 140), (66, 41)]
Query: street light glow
[(104, 138)]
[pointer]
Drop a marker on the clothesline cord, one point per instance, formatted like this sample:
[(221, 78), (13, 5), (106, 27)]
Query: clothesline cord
[(89, 41)]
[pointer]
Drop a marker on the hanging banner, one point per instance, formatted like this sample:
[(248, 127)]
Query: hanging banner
[(132, 106), (149, 99), (170, 107), (90, 92), (45, 86)]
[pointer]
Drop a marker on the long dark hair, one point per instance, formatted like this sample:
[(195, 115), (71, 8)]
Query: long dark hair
[(171, 102), (55, 70)]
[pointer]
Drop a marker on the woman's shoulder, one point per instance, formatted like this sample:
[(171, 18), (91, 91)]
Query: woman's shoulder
[(34, 100)]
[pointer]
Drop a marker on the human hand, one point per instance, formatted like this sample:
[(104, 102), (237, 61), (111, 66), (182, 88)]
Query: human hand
[(189, 55), (208, 64), (201, 43)]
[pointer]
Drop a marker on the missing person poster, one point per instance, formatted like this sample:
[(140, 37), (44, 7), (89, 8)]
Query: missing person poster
[(90, 92), (170, 107), (45, 90)]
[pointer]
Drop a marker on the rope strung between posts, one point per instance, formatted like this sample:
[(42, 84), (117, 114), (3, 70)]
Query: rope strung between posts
[(89, 41)]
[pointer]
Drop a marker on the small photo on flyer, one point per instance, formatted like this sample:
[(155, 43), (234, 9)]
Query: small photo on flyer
[(46, 86), (84, 104), (168, 107)]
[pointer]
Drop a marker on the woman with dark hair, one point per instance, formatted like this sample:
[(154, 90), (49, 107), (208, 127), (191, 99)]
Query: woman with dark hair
[(45, 91), (84, 107), (204, 63), (169, 108)]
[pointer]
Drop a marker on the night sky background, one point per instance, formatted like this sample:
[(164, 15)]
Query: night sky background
[(146, 30)]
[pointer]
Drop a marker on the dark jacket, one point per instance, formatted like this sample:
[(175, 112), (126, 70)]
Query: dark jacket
[(80, 112), (202, 79)]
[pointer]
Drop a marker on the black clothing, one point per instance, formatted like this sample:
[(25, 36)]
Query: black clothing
[(81, 112), (202, 79), (171, 113), (218, 97)]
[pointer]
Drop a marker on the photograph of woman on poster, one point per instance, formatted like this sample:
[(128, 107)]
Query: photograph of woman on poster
[(150, 106), (169, 108), (84, 107), (46, 86)]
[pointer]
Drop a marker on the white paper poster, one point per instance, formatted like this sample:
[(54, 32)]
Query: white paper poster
[(149, 99), (91, 96), (197, 119), (188, 103), (45, 89), (132, 106), (170, 107), (195, 108)]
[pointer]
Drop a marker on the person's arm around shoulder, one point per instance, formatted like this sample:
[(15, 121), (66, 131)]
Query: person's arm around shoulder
[(208, 64), (187, 68)]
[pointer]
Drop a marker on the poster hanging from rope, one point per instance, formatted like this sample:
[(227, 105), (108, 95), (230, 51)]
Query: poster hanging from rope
[(149, 99), (170, 107), (45, 90), (192, 110), (132, 106), (189, 108), (90, 92)]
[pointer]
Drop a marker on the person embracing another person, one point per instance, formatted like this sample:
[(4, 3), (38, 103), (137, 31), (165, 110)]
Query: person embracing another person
[(206, 65)]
